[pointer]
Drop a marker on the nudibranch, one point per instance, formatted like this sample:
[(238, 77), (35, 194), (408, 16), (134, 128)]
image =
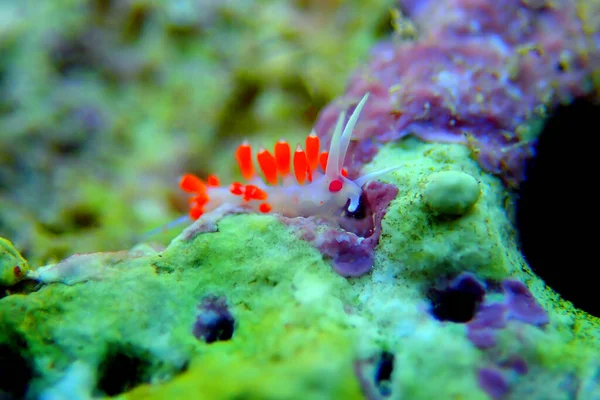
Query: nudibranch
[(311, 182)]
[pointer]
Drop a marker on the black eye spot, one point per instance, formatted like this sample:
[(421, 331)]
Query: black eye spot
[(361, 210)]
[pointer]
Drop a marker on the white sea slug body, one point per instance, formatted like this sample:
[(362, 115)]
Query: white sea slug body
[(312, 182)]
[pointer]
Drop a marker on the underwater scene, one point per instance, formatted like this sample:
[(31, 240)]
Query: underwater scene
[(299, 199)]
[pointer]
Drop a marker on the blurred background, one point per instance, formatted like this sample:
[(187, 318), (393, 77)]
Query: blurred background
[(105, 103)]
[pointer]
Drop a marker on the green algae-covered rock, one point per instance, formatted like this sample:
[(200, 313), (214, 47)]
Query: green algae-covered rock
[(287, 303), (451, 192), (134, 324), (13, 267), (416, 245)]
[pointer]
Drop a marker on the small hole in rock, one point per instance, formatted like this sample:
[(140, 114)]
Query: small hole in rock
[(383, 373), (122, 369), (458, 302), (72, 55), (15, 371), (454, 306), (136, 21), (214, 322), (102, 7), (83, 218), (66, 148)]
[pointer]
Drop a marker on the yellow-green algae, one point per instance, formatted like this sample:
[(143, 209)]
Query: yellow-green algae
[(13, 266), (300, 328), (451, 193), (418, 245), (151, 304)]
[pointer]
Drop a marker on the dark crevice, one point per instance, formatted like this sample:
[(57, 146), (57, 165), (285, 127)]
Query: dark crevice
[(72, 55), (83, 218), (138, 17), (123, 368), (457, 301), (383, 374), (556, 204), (75, 219), (101, 8), (7, 103), (385, 26), (25, 286), (16, 371)]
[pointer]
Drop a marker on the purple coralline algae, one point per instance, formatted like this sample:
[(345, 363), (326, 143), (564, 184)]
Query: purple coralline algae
[(492, 316), (493, 382), (518, 305), (349, 242), (481, 73), (521, 305), (496, 381), (514, 309)]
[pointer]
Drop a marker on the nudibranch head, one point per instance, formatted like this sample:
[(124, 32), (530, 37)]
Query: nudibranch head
[(308, 182)]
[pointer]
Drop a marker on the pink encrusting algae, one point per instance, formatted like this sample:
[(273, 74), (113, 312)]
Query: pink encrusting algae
[(316, 185), (480, 73)]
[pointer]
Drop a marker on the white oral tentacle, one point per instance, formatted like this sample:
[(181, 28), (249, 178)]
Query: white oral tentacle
[(371, 176), (347, 134), (332, 170)]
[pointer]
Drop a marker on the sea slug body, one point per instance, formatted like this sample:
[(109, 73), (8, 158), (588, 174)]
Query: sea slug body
[(315, 183)]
